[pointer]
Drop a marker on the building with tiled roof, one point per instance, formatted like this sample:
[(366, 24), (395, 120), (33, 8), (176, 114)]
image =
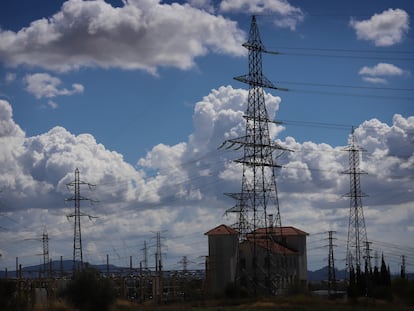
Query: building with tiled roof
[(276, 252), (222, 258), (222, 230)]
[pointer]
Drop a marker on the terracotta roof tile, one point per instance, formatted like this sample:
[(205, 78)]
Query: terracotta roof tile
[(274, 247), (285, 231), (222, 230)]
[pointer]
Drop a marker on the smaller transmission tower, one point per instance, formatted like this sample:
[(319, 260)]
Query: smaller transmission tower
[(368, 257), (158, 254), (77, 236), (403, 274), (158, 282), (357, 235), (45, 240), (145, 261), (331, 265), (184, 262)]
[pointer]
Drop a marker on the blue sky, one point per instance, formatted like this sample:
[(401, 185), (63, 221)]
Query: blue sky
[(150, 83)]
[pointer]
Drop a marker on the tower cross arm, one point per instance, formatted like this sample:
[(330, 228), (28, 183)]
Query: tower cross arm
[(258, 81), (238, 143)]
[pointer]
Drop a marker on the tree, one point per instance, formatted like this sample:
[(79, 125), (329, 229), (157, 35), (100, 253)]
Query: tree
[(382, 282), (8, 299), (87, 291)]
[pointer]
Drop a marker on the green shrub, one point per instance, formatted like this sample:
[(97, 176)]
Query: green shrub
[(403, 289), (89, 292), (7, 294), (233, 291)]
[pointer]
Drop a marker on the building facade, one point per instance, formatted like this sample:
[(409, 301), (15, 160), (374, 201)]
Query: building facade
[(268, 261)]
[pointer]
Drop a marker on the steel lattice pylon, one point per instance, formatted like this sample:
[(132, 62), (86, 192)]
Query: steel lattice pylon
[(331, 265), (357, 234), (77, 236), (258, 199), (45, 240)]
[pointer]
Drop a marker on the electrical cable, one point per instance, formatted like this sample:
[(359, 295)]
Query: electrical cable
[(383, 88)]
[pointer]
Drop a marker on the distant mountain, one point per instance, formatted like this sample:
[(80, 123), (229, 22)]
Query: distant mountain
[(58, 268), (64, 268), (322, 274)]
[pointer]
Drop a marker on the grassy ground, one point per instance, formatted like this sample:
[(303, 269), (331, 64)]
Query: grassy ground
[(293, 303), (296, 303)]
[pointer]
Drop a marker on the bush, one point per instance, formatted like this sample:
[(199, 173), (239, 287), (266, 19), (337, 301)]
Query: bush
[(233, 291), (404, 289), (7, 294), (89, 292)]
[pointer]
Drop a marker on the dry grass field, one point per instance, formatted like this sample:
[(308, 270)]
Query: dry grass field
[(292, 303)]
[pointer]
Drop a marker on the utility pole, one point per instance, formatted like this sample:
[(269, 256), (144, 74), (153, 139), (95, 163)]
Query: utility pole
[(367, 257), (45, 240), (77, 236), (158, 271), (145, 261), (376, 259), (331, 264), (357, 235), (158, 254), (184, 262), (107, 265), (403, 274), (258, 197), (61, 266)]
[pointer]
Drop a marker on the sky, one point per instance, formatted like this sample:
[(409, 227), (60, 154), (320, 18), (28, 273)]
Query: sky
[(140, 94)]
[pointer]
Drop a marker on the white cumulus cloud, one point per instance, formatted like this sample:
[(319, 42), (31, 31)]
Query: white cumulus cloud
[(382, 69), (180, 187), (288, 15), (140, 35), (378, 73), (44, 85), (384, 29)]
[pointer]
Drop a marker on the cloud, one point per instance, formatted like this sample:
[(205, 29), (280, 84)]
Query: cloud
[(384, 29), (44, 85), (206, 5), (375, 80), (140, 35), (8, 128), (377, 73), (10, 77), (52, 104), (382, 69), (288, 15), (180, 188)]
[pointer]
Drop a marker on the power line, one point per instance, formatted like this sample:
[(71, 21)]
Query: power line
[(344, 50), (385, 97), (347, 56), (348, 86), (315, 124)]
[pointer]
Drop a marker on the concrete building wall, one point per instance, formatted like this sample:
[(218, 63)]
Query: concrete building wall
[(286, 261), (282, 269), (223, 251), (298, 244)]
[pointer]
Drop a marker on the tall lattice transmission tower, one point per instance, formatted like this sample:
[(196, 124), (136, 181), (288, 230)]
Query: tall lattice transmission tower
[(357, 243), (77, 235), (257, 205)]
